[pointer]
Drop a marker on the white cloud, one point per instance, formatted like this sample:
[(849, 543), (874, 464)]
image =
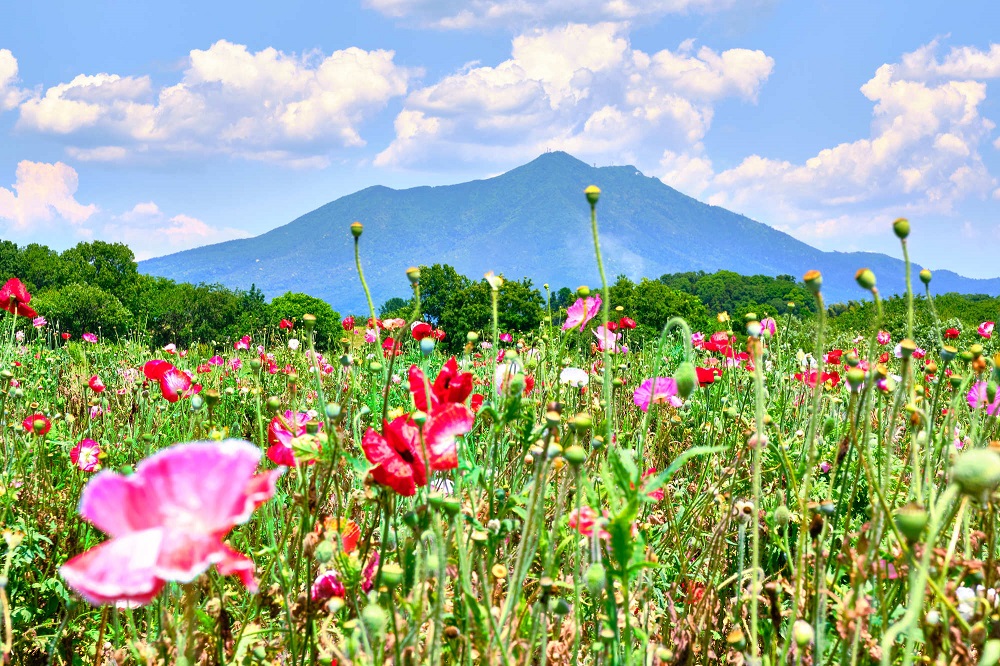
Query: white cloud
[(151, 232), (268, 105), (10, 95), (40, 193), (463, 14), (920, 158), (579, 88)]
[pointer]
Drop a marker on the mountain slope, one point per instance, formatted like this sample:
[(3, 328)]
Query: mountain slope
[(531, 221)]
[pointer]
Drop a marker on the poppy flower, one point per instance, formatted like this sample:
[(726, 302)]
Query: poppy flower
[(575, 377), (658, 390), (286, 324), (347, 530), (38, 424), (168, 520), (707, 376), (450, 386), (390, 344), (612, 325), (420, 330), (89, 337), (14, 298), (883, 337), (397, 457), (174, 384), (170, 348), (242, 343), (581, 312), (506, 337), (977, 399), (809, 379), (280, 433), (476, 402), (66, 336), (653, 494), (986, 329), (438, 334), (951, 334), (698, 340), (584, 520), (626, 323), (607, 339), (86, 455), (718, 342), (768, 325), (96, 385), (348, 323), (326, 586), (39, 322)]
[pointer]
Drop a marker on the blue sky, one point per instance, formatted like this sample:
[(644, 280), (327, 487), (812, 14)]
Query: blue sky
[(173, 125)]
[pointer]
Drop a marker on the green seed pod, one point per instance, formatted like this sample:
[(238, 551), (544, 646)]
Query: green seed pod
[(375, 619), (813, 280), (803, 633), (782, 515), (925, 276), (855, 378), (977, 472), (357, 229), (323, 552), (593, 193), (687, 379), (901, 228), (911, 519), (273, 403), (596, 578), (581, 422), (392, 574), (575, 455), (865, 278)]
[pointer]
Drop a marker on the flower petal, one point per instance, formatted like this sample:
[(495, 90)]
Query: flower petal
[(439, 436), (121, 569)]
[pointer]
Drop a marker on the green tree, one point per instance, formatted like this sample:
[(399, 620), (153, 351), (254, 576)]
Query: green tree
[(109, 266), (82, 308), (293, 305)]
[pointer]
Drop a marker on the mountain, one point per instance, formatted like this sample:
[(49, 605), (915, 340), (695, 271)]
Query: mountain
[(532, 221)]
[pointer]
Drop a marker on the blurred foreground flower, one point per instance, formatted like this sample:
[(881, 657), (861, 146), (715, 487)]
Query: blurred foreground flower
[(167, 521)]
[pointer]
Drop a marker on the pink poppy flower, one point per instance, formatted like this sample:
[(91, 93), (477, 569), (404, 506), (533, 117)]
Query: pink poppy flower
[(506, 337), (581, 312), (883, 337), (174, 384), (86, 455), (768, 324), (280, 433), (216, 360), (170, 349), (368, 575), (236, 364), (370, 335), (698, 340), (96, 385), (585, 520), (168, 520), (39, 322), (242, 343), (607, 338), (326, 586), (986, 329), (89, 337), (977, 399), (665, 391)]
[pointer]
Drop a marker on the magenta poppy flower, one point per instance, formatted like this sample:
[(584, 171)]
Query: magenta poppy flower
[(14, 298), (986, 329), (768, 324), (883, 337), (607, 339), (39, 322), (581, 312), (96, 385), (168, 520), (216, 360), (89, 337), (280, 433), (326, 586), (242, 343), (698, 340), (506, 337), (665, 391), (86, 455), (978, 399)]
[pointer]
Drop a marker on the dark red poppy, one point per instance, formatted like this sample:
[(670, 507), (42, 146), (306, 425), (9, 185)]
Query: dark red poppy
[(67, 336), (612, 326), (37, 424), (348, 323), (833, 356), (286, 324), (14, 298), (438, 334), (626, 322), (951, 334), (449, 386)]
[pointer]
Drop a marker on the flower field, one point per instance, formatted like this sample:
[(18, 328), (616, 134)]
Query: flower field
[(765, 492)]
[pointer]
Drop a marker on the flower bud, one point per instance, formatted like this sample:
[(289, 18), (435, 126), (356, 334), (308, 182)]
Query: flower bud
[(375, 619), (865, 278), (976, 472), (901, 228), (925, 276), (782, 515), (323, 552), (273, 403), (907, 347), (427, 346), (581, 421), (583, 291), (356, 229), (593, 193), (803, 633), (596, 578), (687, 379), (472, 336), (855, 378), (413, 273), (911, 519)]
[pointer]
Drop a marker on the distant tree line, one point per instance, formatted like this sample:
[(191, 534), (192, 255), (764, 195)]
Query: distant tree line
[(96, 287)]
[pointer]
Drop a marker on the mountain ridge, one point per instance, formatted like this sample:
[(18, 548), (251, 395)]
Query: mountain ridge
[(531, 221)]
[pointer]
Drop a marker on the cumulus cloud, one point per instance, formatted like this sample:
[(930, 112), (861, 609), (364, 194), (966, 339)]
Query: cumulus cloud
[(151, 232), (921, 157), (10, 95), (41, 193), (462, 14), (264, 105), (580, 88)]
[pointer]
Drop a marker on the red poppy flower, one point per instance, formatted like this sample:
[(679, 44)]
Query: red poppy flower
[(951, 334), (67, 336), (96, 385), (174, 384), (809, 379), (348, 323), (398, 459), (286, 324), (420, 330), (38, 424), (707, 376), (884, 357), (529, 384), (476, 402), (719, 342), (833, 356), (449, 386), (626, 322), (438, 334), (612, 326), (390, 344), (14, 298)]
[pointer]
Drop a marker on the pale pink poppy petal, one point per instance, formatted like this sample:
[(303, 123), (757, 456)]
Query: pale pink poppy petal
[(451, 421), (186, 554), (122, 569), (117, 506)]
